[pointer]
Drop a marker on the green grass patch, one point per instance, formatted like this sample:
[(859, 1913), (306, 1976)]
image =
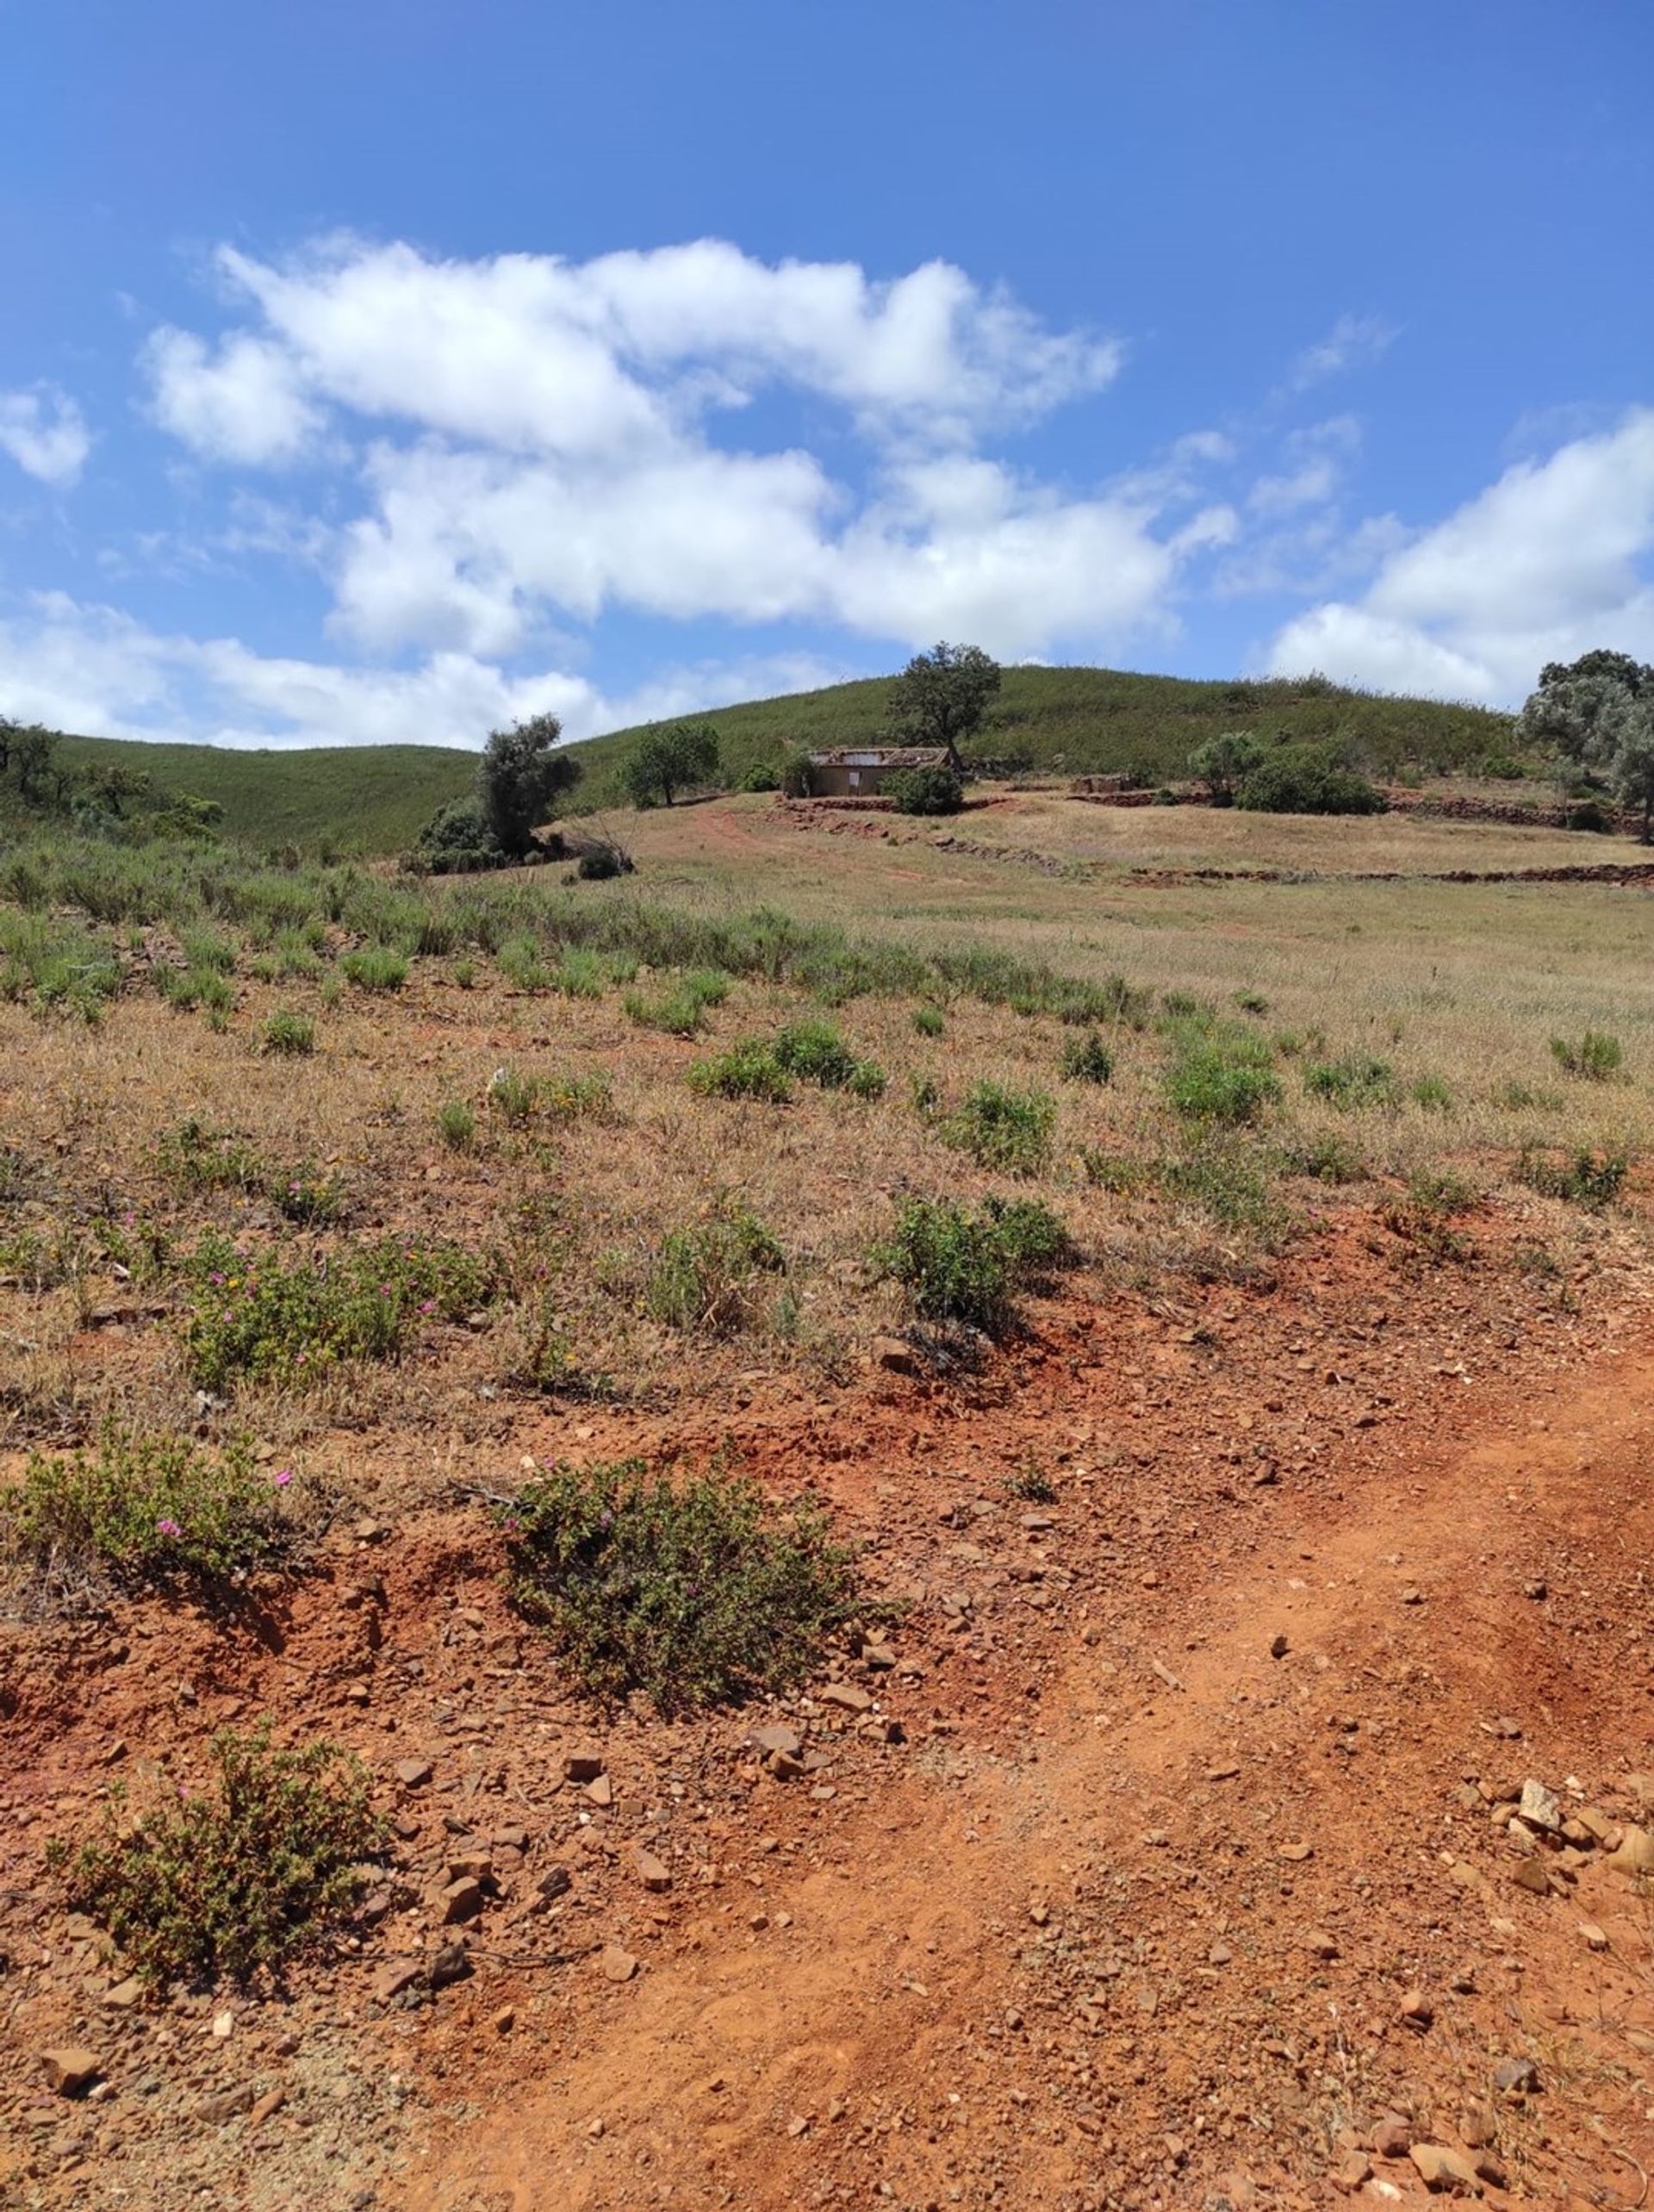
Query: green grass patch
[(698, 1594)]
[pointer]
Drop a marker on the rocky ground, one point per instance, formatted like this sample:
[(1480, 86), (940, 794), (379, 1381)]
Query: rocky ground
[(1260, 1817)]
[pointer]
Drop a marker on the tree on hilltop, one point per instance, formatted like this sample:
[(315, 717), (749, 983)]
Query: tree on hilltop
[(942, 697), (520, 773)]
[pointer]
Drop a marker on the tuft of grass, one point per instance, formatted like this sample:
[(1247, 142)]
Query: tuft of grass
[(234, 1881), (148, 1511), (1220, 1078), (289, 1033), (1583, 1178), (1596, 1056), (1086, 1059), (268, 1317), (456, 1125), (748, 1070), (375, 968), (701, 1594), (1001, 1128), (1355, 1081), (704, 1278)]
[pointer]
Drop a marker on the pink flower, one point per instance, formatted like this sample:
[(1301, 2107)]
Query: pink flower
[(167, 1527), (282, 1477)]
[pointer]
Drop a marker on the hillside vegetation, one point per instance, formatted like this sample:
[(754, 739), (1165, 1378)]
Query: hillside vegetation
[(375, 799), (1098, 721)]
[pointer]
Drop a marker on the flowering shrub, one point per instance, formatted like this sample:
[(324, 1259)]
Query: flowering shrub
[(151, 1512), (698, 1595), (270, 1318)]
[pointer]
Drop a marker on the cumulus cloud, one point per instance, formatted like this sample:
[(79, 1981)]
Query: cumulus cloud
[(1548, 562), (44, 432)]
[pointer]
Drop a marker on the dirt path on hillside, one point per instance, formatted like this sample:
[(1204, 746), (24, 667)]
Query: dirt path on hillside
[(1160, 1945)]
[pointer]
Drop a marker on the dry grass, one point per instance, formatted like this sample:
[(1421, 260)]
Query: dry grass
[(1465, 984)]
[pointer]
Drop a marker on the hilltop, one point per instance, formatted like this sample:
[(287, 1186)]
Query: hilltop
[(373, 798)]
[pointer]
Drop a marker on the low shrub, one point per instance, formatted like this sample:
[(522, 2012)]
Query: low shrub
[(748, 1070), (1355, 1081), (703, 1278), (1307, 779), (1596, 1056), (1087, 1060), (961, 1268), (236, 1879), (269, 1318), (924, 791), (697, 1595), (1583, 1178), (375, 968), (148, 1511), (1001, 1128), (289, 1034)]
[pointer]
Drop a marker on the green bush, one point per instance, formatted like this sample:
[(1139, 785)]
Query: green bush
[(1355, 1081), (289, 1034), (268, 1317), (1587, 1179), (148, 1511), (1307, 779), (924, 791), (375, 968), (700, 1595), (238, 1877), (961, 1268), (1002, 1128), (748, 1070), (1223, 1079), (703, 1278), (1596, 1055), (1087, 1060)]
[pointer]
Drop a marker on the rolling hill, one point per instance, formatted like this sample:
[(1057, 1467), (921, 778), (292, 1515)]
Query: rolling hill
[(373, 798)]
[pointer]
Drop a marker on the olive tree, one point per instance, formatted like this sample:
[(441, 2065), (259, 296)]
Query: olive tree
[(520, 773), (942, 697)]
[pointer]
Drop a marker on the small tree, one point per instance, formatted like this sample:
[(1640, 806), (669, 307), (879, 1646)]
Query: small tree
[(1224, 763), (671, 757), (520, 773), (942, 697)]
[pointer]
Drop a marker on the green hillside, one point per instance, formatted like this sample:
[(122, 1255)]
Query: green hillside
[(373, 798), (367, 799), (1092, 721)]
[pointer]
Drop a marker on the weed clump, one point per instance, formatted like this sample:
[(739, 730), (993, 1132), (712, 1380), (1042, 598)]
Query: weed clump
[(269, 1319), (236, 1879), (148, 1512), (1594, 1057), (1584, 1178), (1002, 1128), (961, 1269), (1356, 1081), (698, 1595), (703, 1278)]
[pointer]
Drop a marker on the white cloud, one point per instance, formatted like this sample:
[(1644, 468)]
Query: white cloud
[(1353, 342), (93, 669), (244, 403), (1548, 560), (44, 432)]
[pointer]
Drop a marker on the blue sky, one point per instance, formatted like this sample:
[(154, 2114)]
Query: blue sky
[(388, 371)]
